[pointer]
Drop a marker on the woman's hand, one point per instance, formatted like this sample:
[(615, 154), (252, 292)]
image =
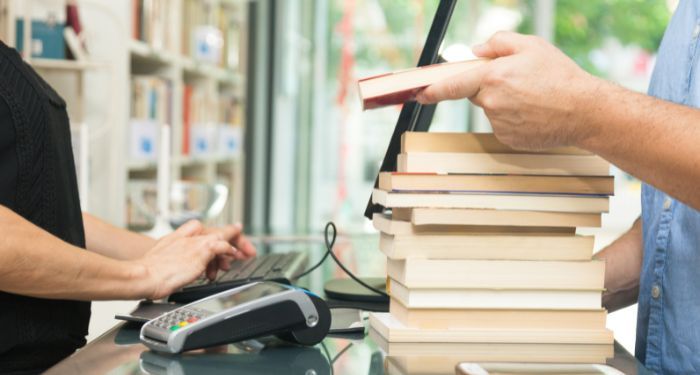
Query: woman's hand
[(179, 258)]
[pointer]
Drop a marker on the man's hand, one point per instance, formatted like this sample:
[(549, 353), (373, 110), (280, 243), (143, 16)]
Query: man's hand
[(243, 249), (179, 258), (530, 91)]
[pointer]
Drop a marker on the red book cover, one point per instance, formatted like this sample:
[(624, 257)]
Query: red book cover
[(186, 119), (403, 86)]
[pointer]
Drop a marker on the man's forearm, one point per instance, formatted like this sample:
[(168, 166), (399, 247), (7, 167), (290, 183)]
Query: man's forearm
[(108, 240), (654, 140), (35, 263), (623, 263)]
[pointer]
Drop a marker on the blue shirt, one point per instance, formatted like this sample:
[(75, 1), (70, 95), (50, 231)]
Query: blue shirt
[(668, 322)]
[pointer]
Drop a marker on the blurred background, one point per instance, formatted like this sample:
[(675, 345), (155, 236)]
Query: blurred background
[(265, 125)]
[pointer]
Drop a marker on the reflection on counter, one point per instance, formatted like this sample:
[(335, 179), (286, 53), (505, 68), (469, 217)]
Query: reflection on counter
[(283, 360)]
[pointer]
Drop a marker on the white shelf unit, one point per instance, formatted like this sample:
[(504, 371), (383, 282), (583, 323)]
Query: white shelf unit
[(117, 56), (181, 70)]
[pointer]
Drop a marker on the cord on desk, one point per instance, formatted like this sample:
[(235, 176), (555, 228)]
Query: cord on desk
[(329, 235)]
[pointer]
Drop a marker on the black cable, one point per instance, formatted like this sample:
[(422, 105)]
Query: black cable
[(345, 349), (329, 251)]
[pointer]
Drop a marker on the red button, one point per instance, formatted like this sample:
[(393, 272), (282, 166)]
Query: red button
[(193, 319)]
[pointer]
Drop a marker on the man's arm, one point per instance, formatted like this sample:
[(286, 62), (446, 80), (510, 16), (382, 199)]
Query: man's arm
[(35, 263), (623, 263), (536, 97)]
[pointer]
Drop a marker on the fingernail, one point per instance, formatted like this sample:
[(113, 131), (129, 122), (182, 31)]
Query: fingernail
[(238, 225)]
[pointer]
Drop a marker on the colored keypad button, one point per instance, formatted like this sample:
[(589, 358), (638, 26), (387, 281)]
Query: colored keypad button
[(192, 319), (182, 324), (174, 328)]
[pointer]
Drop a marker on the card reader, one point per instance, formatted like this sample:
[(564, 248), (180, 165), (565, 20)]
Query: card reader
[(249, 311)]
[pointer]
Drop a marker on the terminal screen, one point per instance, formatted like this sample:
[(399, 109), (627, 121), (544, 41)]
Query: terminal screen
[(215, 305)]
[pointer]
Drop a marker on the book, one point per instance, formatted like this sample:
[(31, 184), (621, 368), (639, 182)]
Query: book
[(461, 142), (385, 223), (535, 368), (187, 91), (443, 298), (490, 246), (481, 163), (440, 318), (497, 274), (402, 86), (463, 216), (520, 202), (432, 355), (394, 331), (475, 183), (560, 362)]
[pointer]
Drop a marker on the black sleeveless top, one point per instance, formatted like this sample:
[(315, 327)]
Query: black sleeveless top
[(38, 182)]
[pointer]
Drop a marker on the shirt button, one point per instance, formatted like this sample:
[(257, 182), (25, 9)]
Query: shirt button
[(696, 31), (655, 291), (667, 203)]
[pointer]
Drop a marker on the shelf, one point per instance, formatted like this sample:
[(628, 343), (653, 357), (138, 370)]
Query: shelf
[(145, 52), (141, 165), (189, 161), (67, 65), (142, 51), (207, 70)]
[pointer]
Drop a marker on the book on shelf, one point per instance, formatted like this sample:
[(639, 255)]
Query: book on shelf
[(470, 143), (151, 98), (211, 33), (466, 298), (385, 223), (443, 318), (48, 21), (465, 216), (419, 356), (483, 183), (488, 246), (402, 86), (393, 330), (154, 22), (496, 274), (212, 122), (491, 201), (485, 163)]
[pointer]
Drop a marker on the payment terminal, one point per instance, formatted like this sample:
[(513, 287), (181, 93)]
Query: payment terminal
[(249, 311)]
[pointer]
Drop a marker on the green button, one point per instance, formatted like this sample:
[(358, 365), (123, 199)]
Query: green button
[(174, 328)]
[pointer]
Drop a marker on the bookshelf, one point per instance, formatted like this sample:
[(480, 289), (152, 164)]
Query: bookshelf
[(151, 39), (171, 60)]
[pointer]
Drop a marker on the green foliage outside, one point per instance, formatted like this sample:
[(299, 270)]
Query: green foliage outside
[(581, 26)]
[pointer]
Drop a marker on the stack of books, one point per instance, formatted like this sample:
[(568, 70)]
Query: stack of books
[(484, 263)]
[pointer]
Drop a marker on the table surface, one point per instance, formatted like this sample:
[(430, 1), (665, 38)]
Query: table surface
[(119, 352)]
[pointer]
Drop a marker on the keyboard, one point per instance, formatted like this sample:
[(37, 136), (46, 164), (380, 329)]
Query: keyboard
[(281, 268)]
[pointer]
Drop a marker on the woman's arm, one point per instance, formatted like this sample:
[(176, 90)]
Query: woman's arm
[(117, 243), (114, 242), (35, 263)]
